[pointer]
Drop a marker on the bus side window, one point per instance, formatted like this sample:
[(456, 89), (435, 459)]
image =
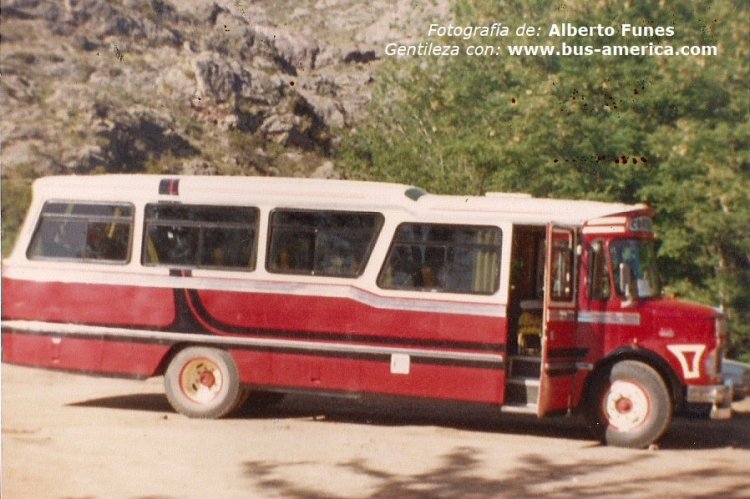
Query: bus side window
[(201, 236), (82, 231), (326, 243), (444, 258)]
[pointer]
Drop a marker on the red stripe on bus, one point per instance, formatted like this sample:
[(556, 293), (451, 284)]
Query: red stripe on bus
[(347, 316)]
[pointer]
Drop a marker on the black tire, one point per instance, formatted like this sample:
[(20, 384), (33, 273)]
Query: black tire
[(629, 405), (203, 382)]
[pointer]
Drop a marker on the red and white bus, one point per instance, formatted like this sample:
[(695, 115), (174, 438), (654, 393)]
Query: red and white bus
[(236, 287)]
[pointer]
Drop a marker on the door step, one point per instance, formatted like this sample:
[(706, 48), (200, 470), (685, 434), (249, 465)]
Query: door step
[(525, 366), (524, 391), (519, 408), (522, 383)]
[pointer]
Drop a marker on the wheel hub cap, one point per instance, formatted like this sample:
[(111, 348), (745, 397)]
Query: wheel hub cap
[(207, 379), (626, 406), (201, 380)]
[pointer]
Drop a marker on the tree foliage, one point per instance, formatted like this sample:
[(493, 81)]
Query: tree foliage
[(668, 131)]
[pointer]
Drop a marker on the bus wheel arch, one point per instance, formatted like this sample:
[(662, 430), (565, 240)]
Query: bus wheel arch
[(203, 382), (628, 404), (652, 359)]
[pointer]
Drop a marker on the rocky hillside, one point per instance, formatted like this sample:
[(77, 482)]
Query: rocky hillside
[(233, 87)]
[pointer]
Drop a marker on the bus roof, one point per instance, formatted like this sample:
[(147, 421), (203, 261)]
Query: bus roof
[(514, 207)]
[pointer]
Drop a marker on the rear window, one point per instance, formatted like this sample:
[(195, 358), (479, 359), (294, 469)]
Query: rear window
[(81, 231)]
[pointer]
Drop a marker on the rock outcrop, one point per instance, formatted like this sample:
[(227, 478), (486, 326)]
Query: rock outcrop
[(195, 87)]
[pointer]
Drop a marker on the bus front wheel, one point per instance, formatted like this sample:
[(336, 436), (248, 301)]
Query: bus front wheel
[(629, 405), (203, 382)]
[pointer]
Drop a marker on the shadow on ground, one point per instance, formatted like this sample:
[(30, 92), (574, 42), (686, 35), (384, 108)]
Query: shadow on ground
[(684, 433), (534, 475), (153, 402)]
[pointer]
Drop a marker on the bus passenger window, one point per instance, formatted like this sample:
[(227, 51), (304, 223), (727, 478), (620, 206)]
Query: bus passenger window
[(82, 231), (444, 258), (327, 243), (211, 237)]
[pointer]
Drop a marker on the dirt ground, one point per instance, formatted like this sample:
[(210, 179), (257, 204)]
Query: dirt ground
[(67, 435)]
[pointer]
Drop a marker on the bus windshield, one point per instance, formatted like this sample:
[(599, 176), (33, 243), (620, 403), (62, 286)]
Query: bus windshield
[(640, 255)]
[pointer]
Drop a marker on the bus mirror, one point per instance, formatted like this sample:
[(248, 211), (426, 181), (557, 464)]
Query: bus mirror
[(627, 285)]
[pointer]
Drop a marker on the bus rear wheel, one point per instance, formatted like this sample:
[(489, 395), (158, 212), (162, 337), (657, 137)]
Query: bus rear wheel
[(629, 406), (203, 382)]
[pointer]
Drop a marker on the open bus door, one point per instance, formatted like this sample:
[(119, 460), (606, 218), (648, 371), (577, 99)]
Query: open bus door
[(559, 352)]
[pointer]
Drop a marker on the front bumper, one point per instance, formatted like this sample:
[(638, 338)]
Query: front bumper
[(719, 396)]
